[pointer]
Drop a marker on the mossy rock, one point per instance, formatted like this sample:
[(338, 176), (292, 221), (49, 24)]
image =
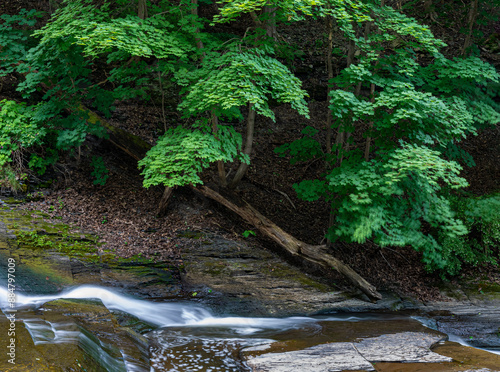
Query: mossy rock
[(101, 332), (233, 277), (43, 357)]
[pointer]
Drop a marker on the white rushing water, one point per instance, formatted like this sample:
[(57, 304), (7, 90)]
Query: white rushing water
[(217, 339), (165, 314)]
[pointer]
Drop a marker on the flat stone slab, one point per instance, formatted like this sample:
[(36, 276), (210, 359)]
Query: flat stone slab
[(406, 347), (338, 356), (237, 278)]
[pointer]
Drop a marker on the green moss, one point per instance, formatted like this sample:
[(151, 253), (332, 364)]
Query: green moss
[(61, 242), (33, 232), (214, 268), (488, 287)]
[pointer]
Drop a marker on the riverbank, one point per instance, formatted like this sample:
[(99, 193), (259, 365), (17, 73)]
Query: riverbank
[(124, 216), (229, 284)]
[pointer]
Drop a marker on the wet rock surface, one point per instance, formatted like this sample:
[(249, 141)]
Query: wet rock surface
[(468, 357), (472, 314), (99, 334), (239, 279), (236, 278), (400, 347), (41, 356), (322, 358), (405, 347), (43, 271)]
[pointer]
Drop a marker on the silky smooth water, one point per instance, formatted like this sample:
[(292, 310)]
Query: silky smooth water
[(188, 337)]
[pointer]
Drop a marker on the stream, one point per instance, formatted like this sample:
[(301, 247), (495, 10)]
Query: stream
[(188, 337), (73, 313)]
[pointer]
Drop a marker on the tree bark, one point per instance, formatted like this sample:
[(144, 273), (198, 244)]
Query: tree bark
[(342, 138), (194, 11), (164, 201), (372, 87), (329, 129), (472, 20), (270, 21), (370, 126), (329, 66), (220, 164), (317, 254), (142, 11), (248, 147)]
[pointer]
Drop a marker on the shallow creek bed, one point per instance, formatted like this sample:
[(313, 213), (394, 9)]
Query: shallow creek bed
[(79, 310)]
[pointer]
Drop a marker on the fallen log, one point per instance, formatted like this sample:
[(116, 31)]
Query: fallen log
[(317, 254), (134, 146)]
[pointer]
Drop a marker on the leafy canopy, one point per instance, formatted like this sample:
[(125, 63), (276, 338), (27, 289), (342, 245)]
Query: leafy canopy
[(422, 102)]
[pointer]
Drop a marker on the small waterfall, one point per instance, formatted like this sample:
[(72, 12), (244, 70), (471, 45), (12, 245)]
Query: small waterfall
[(164, 314)]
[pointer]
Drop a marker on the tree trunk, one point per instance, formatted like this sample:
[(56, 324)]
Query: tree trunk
[(342, 138), (369, 138), (351, 50), (427, 4), (317, 254), (142, 11), (164, 201), (329, 66), (472, 20), (220, 164), (163, 116), (256, 19), (270, 21), (248, 147), (329, 129), (194, 11)]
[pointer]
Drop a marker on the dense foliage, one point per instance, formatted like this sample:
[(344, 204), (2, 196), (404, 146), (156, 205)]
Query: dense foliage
[(398, 191)]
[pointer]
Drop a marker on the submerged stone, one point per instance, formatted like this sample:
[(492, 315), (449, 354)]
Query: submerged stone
[(101, 336)]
